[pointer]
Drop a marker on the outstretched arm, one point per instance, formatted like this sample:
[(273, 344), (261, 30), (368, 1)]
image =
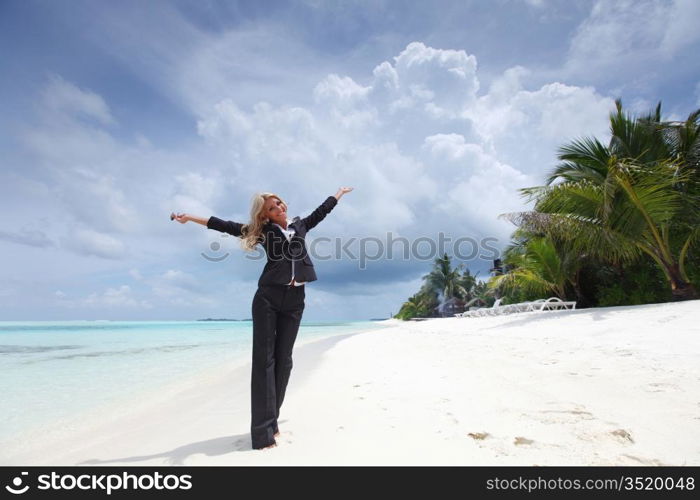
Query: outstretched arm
[(342, 191), (183, 218), (224, 226), (320, 213)]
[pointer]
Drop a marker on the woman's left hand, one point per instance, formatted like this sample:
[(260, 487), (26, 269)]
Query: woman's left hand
[(342, 191)]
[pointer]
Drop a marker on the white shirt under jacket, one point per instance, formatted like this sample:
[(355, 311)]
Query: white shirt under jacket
[(288, 233)]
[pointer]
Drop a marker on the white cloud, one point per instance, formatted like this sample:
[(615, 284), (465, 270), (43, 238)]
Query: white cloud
[(177, 287), (345, 102), (196, 68), (681, 28), (115, 192), (340, 90), (90, 242), (96, 199), (620, 33), (417, 130), (481, 186), (136, 274), (490, 191), (119, 297), (440, 82), (27, 236), (275, 136), (389, 183), (449, 146), (195, 193), (181, 279), (64, 97), (110, 299), (524, 128)]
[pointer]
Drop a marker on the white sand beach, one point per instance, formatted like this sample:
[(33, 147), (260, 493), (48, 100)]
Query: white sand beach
[(608, 386)]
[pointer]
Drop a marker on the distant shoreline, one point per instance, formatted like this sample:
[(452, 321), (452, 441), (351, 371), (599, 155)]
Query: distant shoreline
[(251, 319), (224, 319)]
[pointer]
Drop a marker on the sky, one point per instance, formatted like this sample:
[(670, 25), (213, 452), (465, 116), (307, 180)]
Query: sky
[(115, 114)]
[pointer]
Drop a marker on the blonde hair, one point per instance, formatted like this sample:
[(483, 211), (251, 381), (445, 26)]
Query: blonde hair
[(252, 233)]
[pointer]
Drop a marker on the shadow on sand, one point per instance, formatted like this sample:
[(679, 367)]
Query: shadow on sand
[(177, 456)]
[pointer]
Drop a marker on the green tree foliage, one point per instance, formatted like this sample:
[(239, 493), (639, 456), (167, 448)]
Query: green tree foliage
[(443, 282), (420, 305), (446, 280), (539, 269), (616, 208), (615, 224)]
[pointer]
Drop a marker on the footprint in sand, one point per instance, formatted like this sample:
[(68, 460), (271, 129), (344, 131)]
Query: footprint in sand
[(661, 387), (566, 414), (622, 435), (478, 436), (520, 441), (582, 413)]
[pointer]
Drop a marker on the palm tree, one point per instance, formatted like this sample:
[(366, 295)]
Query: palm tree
[(637, 195), (419, 305), (481, 292), (445, 279), (645, 140), (537, 268), (637, 209), (637, 139), (410, 308), (683, 140), (468, 282)]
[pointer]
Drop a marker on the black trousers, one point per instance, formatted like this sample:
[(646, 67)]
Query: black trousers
[(277, 311)]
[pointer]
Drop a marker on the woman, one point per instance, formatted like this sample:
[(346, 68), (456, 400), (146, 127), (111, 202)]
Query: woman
[(279, 301)]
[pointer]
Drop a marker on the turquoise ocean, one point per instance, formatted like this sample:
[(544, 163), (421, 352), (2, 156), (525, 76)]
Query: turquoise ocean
[(53, 371)]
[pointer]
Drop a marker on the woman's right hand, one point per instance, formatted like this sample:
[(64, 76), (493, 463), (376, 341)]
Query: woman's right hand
[(181, 218)]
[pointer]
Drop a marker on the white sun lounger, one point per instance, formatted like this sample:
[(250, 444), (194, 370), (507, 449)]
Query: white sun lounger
[(482, 311), (550, 304)]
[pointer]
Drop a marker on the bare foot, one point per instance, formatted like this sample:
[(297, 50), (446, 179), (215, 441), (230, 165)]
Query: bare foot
[(277, 434), (271, 446)]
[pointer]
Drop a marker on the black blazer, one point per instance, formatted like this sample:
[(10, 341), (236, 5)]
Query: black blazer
[(284, 258)]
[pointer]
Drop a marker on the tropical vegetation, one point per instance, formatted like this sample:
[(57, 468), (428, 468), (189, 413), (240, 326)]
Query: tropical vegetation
[(442, 283), (615, 223), (621, 215)]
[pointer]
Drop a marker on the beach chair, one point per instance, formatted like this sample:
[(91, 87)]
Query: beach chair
[(482, 311), (553, 304), (539, 305)]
